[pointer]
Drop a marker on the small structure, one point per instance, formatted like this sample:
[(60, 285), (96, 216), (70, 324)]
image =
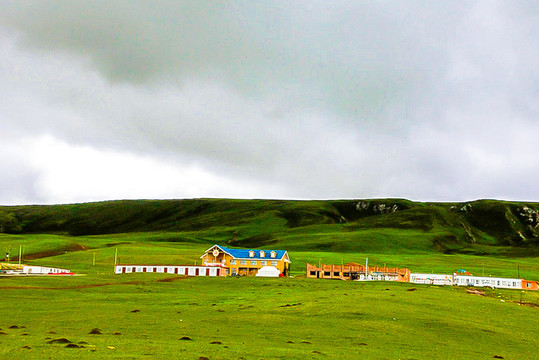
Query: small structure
[(355, 271), (487, 281), (21, 269), (530, 285), (268, 271), (187, 270), (433, 279), (238, 262)]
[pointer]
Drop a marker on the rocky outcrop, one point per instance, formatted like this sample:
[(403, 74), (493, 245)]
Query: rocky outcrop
[(529, 216), (382, 208), (465, 208)]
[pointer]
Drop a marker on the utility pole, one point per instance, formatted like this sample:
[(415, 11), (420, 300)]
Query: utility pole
[(366, 267), (20, 254)]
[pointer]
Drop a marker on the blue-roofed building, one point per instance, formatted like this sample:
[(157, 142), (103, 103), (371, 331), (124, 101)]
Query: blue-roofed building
[(246, 261)]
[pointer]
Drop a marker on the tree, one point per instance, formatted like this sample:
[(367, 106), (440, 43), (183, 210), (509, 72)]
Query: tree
[(9, 223)]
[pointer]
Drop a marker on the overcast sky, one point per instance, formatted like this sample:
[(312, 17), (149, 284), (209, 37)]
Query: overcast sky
[(425, 100)]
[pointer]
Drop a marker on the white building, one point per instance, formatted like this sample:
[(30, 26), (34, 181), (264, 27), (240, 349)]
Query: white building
[(21, 269), (43, 270), (187, 270), (484, 281), (433, 279)]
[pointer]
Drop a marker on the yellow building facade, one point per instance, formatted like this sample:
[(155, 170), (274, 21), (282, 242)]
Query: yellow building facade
[(246, 261)]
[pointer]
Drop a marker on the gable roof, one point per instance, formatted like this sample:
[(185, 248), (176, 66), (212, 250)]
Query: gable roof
[(244, 253)]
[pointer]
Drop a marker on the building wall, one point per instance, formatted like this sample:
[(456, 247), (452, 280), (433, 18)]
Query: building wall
[(187, 270), (530, 285), (352, 271), (434, 279), (484, 281), (43, 270)]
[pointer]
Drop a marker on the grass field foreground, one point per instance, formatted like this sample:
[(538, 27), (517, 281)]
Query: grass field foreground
[(147, 315)]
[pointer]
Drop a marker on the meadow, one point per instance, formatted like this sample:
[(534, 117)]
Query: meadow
[(99, 315), (159, 316)]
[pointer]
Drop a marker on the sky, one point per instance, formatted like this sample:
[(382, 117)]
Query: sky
[(424, 100)]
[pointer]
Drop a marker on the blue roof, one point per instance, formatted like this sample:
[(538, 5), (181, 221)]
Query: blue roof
[(244, 253)]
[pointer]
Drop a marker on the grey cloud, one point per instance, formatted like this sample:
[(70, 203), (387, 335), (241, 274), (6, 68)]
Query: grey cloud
[(340, 99), (360, 58)]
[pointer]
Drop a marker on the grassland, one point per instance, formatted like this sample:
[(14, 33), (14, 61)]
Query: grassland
[(145, 316)]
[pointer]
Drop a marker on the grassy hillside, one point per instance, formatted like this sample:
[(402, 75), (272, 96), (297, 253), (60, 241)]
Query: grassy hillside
[(384, 225)]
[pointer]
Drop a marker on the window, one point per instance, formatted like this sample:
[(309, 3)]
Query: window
[(253, 262), (243, 262), (233, 262), (313, 273), (251, 253), (327, 273), (335, 273), (263, 262), (528, 285), (262, 254), (274, 263), (273, 254)]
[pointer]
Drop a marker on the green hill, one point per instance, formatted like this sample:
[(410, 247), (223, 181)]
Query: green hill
[(386, 225)]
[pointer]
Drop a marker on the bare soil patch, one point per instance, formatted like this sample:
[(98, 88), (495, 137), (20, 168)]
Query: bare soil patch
[(171, 279), (476, 292), (44, 254)]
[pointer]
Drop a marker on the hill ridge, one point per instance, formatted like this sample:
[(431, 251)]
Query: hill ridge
[(448, 227)]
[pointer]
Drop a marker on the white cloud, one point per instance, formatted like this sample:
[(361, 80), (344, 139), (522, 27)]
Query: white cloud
[(68, 173)]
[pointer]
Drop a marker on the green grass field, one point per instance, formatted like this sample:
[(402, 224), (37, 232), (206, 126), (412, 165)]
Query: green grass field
[(160, 316), (146, 315)]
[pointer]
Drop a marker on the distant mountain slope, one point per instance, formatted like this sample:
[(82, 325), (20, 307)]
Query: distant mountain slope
[(444, 227)]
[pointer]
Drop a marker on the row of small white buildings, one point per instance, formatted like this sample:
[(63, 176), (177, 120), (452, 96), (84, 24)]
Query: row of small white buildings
[(9, 269), (470, 280)]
